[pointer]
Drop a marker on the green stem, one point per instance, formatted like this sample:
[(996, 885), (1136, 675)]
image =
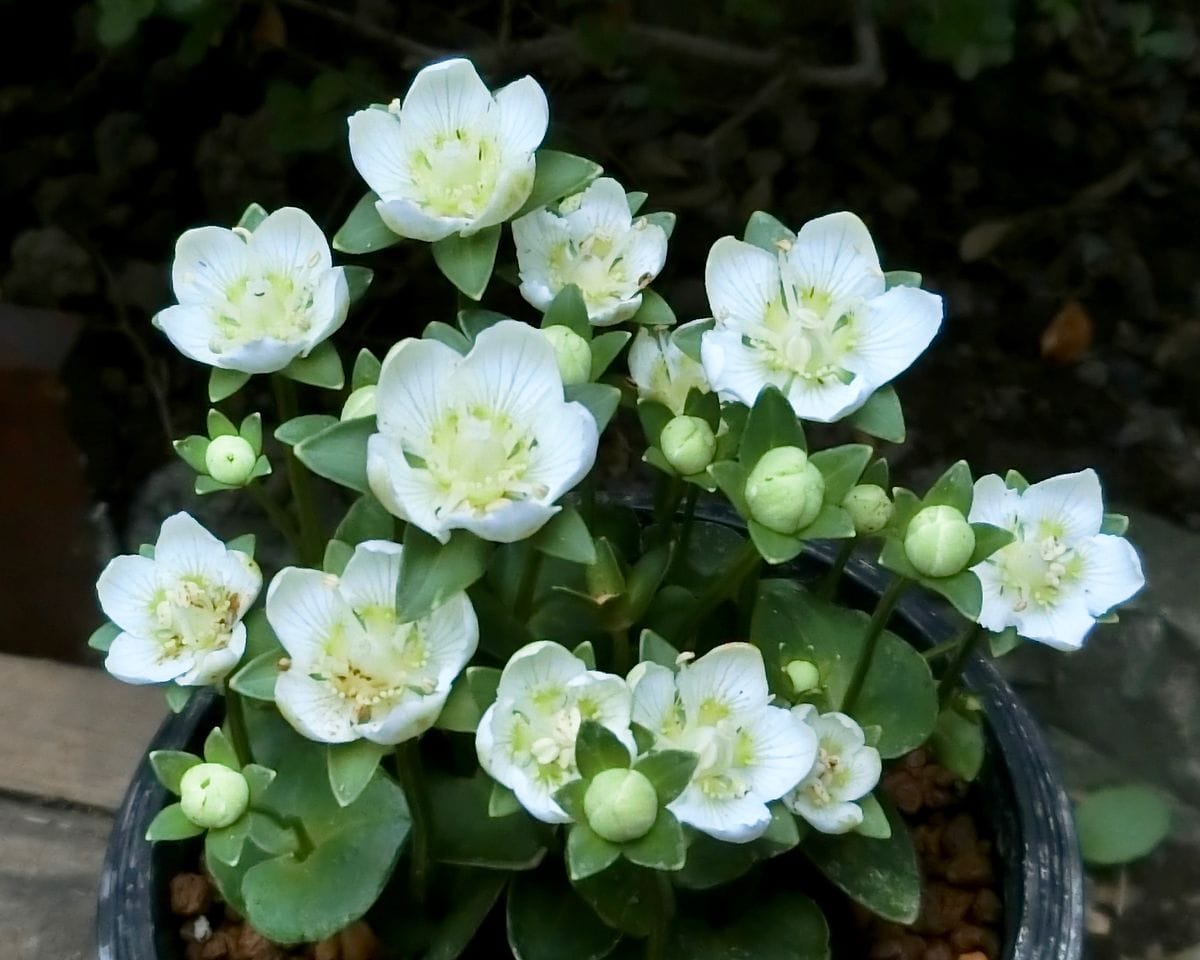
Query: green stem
[(412, 781), (883, 611), (299, 477), (725, 584), (235, 720), (833, 576), (528, 585), (622, 652), (685, 527), (967, 641), (276, 514), (938, 651), (658, 941)]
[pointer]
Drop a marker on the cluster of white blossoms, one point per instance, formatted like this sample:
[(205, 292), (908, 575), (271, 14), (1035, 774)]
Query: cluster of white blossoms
[(661, 371), (1060, 573), (749, 751)]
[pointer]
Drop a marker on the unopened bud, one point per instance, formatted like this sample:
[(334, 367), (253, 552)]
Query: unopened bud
[(620, 805), (804, 675), (230, 459), (573, 353), (784, 490), (213, 796), (688, 443), (939, 541), (361, 403), (869, 507)]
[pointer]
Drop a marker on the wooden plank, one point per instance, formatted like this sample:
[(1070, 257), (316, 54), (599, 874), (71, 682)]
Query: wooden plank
[(72, 733), (49, 871)]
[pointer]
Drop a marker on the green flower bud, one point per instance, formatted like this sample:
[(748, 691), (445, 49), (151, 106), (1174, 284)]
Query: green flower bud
[(620, 805), (869, 507), (804, 675), (784, 491), (230, 459), (573, 353), (939, 541), (361, 403), (688, 444), (213, 795)]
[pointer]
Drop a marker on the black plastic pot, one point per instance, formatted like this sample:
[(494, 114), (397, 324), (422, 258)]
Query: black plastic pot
[(1028, 808)]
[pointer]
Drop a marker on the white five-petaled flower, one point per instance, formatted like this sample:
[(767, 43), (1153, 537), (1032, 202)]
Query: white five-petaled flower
[(526, 739), (813, 320), (750, 753), (484, 442), (453, 158), (846, 770), (254, 302), (1060, 572), (661, 371), (358, 670), (594, 242), (181, 612)]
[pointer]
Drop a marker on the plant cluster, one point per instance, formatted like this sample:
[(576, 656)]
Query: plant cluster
[(512, 683)]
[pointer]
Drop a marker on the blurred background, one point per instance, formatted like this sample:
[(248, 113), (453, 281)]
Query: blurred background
[(1037, 160)]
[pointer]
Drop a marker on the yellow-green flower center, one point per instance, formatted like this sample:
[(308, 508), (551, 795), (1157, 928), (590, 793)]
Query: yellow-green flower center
[(263, 305), (455, 174), (193, 615)]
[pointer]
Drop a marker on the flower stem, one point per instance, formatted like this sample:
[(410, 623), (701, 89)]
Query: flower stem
[(883, 611), (657, 942), (276, 514), (833, 575), (725, 584), (951, 677), (528, 585), (622, 652), (412, 781), (235, 720), (301, 480), (685, 527)]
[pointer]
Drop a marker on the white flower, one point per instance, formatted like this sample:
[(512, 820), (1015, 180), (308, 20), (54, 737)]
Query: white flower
[(358, 669), (750, 753), (254, 302), (181, 612), (846, 770), (594, 242), (662, 372), (526, 739), (453, 158), (813, 320), (1061, 572), (484, 442)]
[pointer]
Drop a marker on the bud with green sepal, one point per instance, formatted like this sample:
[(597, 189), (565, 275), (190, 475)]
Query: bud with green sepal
[(804, 675), (230, 456), (582, 355), (696, 437), (688, 443), (572, 352), (869, 507), (939, 541), (619, 807)]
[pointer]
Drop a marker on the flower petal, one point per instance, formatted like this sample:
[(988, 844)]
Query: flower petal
[(410, 717), (654, 697), (371, 575), (603, 211), (835, 255), (783, 748), (742, 281), (407, 219), (524, 116), (264, 355), (537, 668), (541, 239), (730, 678), (307, 612), (735, 370), (1112, 572), (995, 503), (892, 331), (445, 97), (289, 243), (1069, 507), (128, 588), (413, 385), (137, 659), (378, 151), (1063, 625), (451, 634), (996, 613), (512, 370), (736, 820), (405, 492), (828, 401), (864, 768), (208, 261), (190, 329), (604, 698), (514, 521), (834, 818), (186, 549), (314, 708), (212, 666), (511, 190), (331, 303), (567, 441)]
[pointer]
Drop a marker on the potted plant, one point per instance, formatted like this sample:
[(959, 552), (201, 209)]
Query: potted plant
[(501, 706)]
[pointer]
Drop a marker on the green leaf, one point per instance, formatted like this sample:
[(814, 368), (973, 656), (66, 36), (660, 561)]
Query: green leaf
[(170, 765), (730, 476), (571, 798), (711, 862), (663, 219), (566, 536), (1115, 524), (1122, 823), (259, 778), (299, 429), (220, 425), (272, 838), (547, 920), (250, 430), (588, 853), (466, 835), (841, 467), (656, 649), (467, 262), (568, 309), (192, 451), (898, 693), (654, 311), (901, 278), (171, 824), (225, 843), (687, 337), (963, 590), (877, 473), (351, 767), (954, 488), (625, 897), (431, 573), (668, 771), (366, 370), (337, 557), (600, 399), (558, 175), (957, 742), (358, 279), (364, 231), (471, 895), (256, 679), (444, 333), (663, 848), (882, 875), (772, 423), (597, 749), (365, 520), (225, 383), (321, 368), (988, 540), (103, 636), (774, 547), (831, 523), (881, 416), (339, 452), (605, 349), (767, 233), (219, 749), (253, 215), (635, 199), (587, 653), (875, 822), (474, 320), (770, 925), (243, 544), (177, 696), (1004, 642), (654, 417), (206, 485), (470, 696)]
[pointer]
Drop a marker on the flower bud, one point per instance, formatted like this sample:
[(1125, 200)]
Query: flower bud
[(573, 353), (939, 541), (230, 459), (804, 675), (784, 491), (361, 403), (213, 795), (688, 444), (620, 805), (869, 507)]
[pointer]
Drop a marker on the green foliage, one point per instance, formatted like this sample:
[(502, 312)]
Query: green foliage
[(465, 834), (881, 416), (547, 920), (364, 231), (321, 368), (467, 262), (957, 741), (339, 452), (431, 572), (1121, 823), (558, 175), (781, 924)]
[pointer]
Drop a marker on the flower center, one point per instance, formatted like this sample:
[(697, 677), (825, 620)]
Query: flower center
[(455, 173), (1035, 569), (266, 305), (379, 669), (194, 615), (544, 737), (828, 776)]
